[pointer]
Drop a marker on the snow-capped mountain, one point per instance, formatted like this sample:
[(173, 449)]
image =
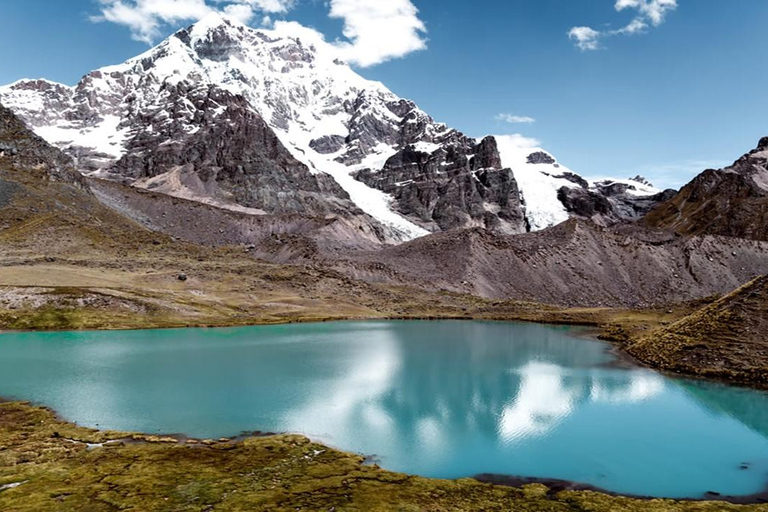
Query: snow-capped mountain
[(270, 121)]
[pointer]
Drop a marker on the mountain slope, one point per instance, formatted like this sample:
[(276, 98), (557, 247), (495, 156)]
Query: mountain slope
[(23, 150), (224, 154), (574, 264), (728, 202), (727, 339), (147, 123), (68, 261)]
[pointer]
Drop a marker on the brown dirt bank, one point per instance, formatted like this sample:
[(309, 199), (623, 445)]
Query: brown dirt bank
[(556, 486)]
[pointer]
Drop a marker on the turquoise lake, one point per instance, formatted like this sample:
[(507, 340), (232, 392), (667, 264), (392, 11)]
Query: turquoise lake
[(441, 399)]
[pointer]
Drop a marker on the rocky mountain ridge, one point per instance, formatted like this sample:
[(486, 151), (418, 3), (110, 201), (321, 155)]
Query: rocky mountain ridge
[(730, 202), (296, 130), (24, 150), (575, 264)]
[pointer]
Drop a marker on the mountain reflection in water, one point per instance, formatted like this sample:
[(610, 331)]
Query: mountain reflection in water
[(411, 389), (441, 399)]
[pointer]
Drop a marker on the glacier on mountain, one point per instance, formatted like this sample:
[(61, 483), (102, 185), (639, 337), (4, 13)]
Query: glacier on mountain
[(327, 116)]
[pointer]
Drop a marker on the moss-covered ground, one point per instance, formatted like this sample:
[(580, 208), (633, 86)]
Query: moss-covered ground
[(49, 465)]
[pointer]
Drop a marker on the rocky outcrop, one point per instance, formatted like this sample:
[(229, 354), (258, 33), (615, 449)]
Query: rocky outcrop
[(574, 178), (608, 203), (22, 150), (206, 143), (540, 157), (632, 207), (328, 144), (729, 202), (641, 180), (587, 204), (453, 186)]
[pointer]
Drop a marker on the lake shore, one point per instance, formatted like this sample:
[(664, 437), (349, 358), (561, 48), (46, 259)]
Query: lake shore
[(620, 327), (49, 464)]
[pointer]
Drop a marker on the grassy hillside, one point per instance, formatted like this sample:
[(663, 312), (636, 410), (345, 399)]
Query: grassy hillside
[(727, 339)]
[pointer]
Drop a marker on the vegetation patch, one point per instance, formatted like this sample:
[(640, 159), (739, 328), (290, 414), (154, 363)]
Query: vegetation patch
[(723, 340)]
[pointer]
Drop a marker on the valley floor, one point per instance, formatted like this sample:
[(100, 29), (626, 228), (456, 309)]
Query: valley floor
[(67, 262), (224, 289)]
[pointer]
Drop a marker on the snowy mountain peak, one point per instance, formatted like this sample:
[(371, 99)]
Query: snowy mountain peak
[(213, 21), (642, 180), (382, 150)]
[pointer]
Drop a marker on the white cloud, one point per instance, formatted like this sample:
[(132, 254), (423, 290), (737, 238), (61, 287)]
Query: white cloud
[(513, 119), (374, 31), (585, 38), (146, 17), (378, 30), (649, 13), (241, 12), (519, 141), (271, 5), (653, 10), (636, 26)]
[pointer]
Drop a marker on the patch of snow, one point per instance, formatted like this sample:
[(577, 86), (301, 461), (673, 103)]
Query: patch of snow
[(538, 183), (637, 189), (377, 159), (22, 99), (105, 137), (761, 178), (374, 202), (426, 147)]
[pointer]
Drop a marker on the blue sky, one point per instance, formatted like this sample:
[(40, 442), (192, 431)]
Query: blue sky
[(683, 92)]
